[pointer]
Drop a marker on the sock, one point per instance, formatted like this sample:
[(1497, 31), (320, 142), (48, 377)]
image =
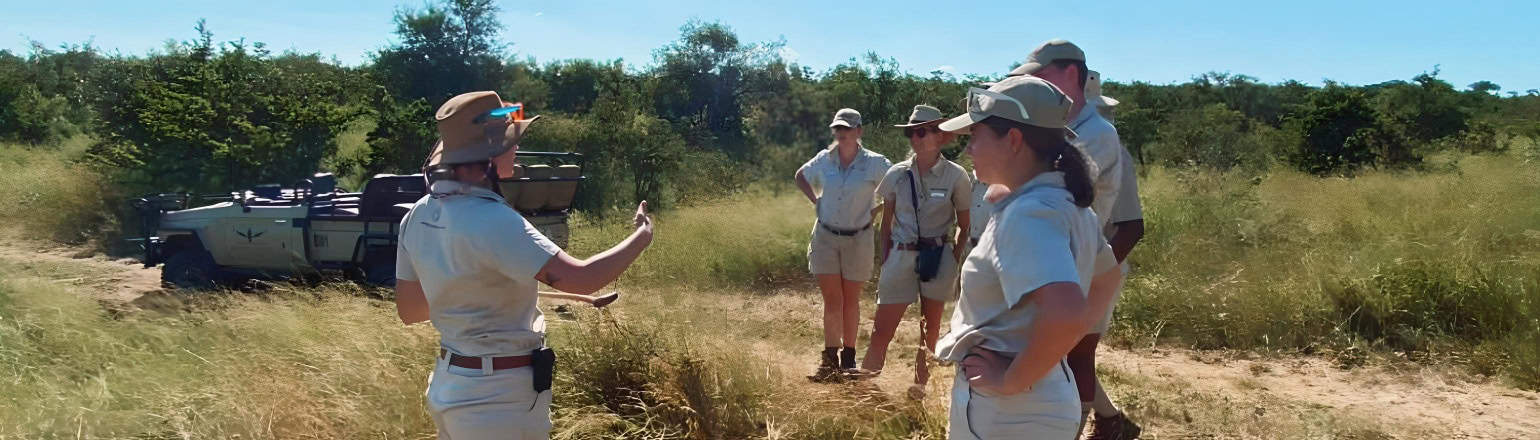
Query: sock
[(1102, 404)]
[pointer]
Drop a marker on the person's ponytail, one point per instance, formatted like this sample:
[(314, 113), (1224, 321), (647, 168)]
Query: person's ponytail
[(1077, 174), (1051, 145)]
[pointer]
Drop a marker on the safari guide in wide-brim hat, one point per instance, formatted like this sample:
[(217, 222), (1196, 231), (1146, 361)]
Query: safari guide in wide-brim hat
[(1040, 274), (471, 264), (923, 196)]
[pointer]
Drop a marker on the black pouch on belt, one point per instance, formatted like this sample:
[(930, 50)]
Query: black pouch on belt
[(928, 262), (543, 364)]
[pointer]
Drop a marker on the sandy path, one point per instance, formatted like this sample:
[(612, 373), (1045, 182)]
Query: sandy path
[(117, 281), (1407, 401)]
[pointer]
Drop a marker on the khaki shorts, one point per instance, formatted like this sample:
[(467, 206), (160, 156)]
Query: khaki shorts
[(850, 257), (1050, 409), (898, 284), (1101, 326), (471, 404)]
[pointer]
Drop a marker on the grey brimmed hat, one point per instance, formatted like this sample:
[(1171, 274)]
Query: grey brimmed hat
[(923, 114), (846, 117), (1026, 99), (1048, 52)]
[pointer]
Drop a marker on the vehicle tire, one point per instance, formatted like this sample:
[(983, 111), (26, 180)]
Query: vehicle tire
[(191, 269)]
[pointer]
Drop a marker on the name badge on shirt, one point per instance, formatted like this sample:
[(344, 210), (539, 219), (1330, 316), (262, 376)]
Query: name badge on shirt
[(936, 193)]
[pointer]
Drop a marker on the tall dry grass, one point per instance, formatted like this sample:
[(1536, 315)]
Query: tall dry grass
[(45, 193)]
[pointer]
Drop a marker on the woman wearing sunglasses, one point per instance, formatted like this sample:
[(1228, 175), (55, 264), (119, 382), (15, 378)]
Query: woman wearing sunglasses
[(924, 197), (841, 251), (470, 264), (1040, 275)]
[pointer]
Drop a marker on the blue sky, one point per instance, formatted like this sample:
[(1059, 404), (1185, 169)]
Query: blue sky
[(1347, 41)]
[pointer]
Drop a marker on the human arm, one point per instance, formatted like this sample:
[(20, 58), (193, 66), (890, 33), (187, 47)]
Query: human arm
[(587, 276)]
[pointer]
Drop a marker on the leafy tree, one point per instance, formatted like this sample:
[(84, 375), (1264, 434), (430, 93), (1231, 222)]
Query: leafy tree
[(207, 117), (1339, 131), (1213, 136), (443, 50)]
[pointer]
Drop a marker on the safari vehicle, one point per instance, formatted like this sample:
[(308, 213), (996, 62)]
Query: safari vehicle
[(271, 231)]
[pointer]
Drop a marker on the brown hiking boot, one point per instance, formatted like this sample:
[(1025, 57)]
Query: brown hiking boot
[(828, 367), (1116, 427)]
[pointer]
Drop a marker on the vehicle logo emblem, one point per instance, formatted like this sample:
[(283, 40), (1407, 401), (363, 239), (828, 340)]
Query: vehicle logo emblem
[(248, 235)]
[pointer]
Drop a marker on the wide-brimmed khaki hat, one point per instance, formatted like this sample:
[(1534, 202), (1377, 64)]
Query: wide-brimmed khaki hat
[(470, 129), (1093, 90), (923, 114), (846, 117), (1026, 99), (1048, 52)]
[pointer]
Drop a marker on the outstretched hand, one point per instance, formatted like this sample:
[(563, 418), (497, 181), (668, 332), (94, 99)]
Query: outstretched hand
[(642, 220)]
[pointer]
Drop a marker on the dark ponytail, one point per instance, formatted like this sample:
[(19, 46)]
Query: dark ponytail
[(1051, 145)]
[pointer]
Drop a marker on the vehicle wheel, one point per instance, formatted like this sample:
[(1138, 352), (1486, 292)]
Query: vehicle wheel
[(191, 269)]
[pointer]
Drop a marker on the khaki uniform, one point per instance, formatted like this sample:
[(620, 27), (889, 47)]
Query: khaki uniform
[(842, 240), (1117, 185), (1036, 237), (943, 190), (979, 211), (476, 259)]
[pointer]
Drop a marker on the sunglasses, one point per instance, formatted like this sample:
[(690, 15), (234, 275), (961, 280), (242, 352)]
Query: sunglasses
[(919, 132), (513, 112), (984, 101)]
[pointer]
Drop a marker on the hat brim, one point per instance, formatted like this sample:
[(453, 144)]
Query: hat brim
[(843, 123), (917, 124), (963, 122), (1104, 101), (1026, 69), (511, 137)]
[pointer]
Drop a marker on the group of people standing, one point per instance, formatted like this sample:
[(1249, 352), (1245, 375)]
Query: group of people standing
[(1035, 238)]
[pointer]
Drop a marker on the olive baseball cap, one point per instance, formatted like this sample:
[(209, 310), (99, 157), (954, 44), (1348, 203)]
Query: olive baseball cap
[(1026, 99), (922, 114), (1048, 52), (846, 117)]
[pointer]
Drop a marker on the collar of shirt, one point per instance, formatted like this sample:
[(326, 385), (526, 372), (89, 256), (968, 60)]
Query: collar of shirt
[(444, 188), (861, 154), (1086, 113), (935, 168), (1048, 179)]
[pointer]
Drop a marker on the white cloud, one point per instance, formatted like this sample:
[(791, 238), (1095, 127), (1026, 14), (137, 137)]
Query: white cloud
[(537, 14)]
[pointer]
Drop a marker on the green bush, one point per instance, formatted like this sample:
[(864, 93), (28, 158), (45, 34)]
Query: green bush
[(209, 117)]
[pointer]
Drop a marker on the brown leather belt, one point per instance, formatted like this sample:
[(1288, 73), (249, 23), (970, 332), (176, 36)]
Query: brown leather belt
[(498, 363), (936, 241), (844, 232)]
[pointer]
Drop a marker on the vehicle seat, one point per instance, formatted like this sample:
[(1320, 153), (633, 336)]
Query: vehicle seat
[(533, 195), (385, 191), (559, 196)]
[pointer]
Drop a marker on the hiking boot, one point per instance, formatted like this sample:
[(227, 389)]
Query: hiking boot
[(848, 358), (828, 367), (1116, 427)]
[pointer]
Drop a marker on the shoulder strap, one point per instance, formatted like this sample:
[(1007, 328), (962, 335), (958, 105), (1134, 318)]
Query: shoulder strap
[(914, 201)]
